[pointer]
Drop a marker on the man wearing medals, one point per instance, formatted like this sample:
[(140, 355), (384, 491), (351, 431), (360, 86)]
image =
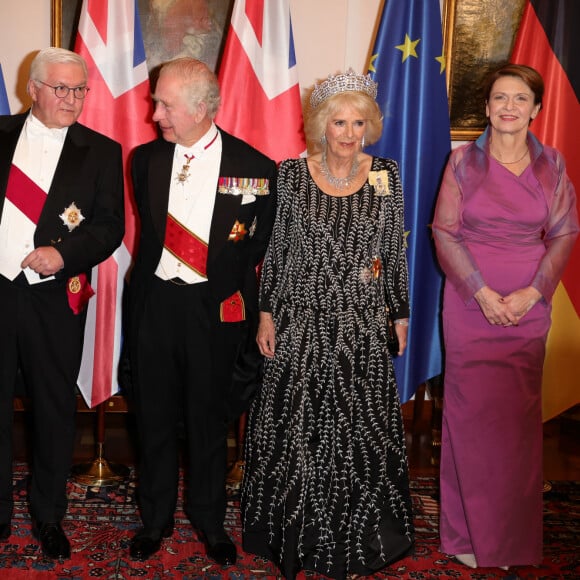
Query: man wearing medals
[(206, 202), (62, 212)]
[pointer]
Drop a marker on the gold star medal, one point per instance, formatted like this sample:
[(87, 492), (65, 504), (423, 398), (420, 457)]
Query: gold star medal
[(238, 232)]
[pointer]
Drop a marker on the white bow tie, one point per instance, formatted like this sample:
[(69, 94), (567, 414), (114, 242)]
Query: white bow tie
[(38, 130)]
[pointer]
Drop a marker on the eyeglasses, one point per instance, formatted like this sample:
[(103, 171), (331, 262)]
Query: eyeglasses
[(61, 91)]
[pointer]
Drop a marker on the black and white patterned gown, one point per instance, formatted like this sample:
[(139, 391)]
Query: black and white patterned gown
[(326, 479)]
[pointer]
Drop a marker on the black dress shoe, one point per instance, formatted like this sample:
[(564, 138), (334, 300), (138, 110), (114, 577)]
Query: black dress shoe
[(54, 543), (219, 546), (147, 542), (4, 532)]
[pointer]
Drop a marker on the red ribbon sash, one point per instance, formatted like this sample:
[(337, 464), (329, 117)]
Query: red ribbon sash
[(186, 246), (29, 198), (191, 250)]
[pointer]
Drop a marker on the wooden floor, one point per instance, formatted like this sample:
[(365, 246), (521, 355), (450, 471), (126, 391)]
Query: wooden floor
[(561, 441)]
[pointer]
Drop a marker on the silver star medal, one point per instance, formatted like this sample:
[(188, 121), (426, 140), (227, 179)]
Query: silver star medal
[(71, 217), (252, 230)]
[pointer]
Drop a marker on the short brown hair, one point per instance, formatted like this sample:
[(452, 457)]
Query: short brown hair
[(525, 73)]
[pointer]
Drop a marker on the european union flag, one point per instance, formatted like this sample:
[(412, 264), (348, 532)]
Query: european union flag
[(4, 105), (409, 66)]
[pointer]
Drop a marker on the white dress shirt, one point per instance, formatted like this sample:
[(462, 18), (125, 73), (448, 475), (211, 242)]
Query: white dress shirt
[(191, 201), (36, 155)]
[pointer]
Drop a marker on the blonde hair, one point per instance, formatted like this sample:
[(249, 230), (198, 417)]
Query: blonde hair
[(317, 119)]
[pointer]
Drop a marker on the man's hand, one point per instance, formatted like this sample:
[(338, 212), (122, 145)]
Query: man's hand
[(45, 261)]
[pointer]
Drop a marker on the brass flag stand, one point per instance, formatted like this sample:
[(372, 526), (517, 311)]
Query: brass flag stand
[(99, 472), (236, 472)]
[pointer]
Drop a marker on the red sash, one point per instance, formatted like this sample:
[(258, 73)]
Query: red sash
[(191, 250), (25, 194), (186, 246), (29, 198)]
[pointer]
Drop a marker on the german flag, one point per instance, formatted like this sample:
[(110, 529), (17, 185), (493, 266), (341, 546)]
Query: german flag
[(548, 40)]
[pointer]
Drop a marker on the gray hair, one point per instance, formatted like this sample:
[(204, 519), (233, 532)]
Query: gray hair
[(200, 84), (54, 55)]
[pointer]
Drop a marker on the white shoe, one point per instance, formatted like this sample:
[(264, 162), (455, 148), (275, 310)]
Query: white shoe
[(504, 567), (467, 560)]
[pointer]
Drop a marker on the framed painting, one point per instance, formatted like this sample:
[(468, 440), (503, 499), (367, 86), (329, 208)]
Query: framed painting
[(171, 28), (478, 36)]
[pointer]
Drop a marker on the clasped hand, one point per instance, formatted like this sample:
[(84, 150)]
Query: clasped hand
[(506, 310), (45, 261)]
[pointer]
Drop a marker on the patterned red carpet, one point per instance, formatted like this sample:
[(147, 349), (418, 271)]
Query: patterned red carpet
[(101, 520)]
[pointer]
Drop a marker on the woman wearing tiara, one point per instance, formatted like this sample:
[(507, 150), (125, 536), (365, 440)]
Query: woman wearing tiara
[(326, 479)]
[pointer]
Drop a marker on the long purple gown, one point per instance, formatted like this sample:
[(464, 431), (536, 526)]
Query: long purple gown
[(496, 229)]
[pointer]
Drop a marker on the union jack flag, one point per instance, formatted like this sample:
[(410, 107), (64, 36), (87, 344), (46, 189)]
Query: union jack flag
[(259, 80), (119, 106)]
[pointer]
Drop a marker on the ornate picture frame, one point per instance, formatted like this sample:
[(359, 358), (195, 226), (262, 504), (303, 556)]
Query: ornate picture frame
[(170, 28), (478, 36)]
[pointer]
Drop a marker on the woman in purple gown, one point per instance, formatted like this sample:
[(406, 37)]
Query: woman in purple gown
[(504, 227)]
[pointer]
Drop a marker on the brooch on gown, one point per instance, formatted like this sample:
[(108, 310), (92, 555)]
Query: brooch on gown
[(380, 182), (372, 272)]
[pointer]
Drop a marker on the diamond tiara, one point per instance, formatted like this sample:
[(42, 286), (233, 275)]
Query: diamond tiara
[(348, 81)]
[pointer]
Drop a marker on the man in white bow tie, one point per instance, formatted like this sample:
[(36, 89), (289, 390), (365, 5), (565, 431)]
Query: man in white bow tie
[(207, 203), (61, 213)]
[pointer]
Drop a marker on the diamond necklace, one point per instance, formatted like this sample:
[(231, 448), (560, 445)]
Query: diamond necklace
[(338, 182)]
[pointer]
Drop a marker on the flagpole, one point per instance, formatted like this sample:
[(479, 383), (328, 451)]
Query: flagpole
[(99, 471)]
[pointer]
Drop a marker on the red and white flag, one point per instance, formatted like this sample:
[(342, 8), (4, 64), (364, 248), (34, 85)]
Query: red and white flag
[(119, 106), (259, 80)]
